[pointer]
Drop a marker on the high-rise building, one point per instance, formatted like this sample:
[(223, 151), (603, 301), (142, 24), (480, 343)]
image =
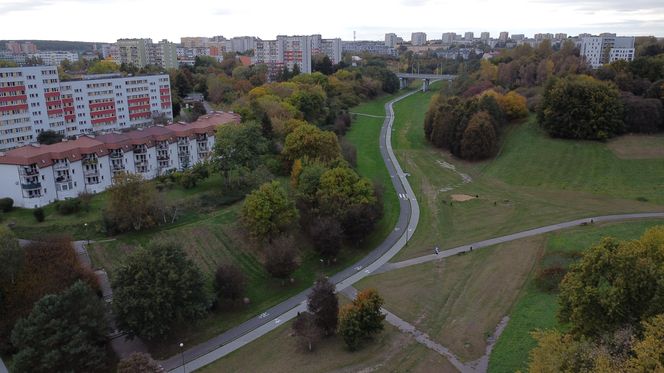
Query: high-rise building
[(288, 51), (518, 37), (370, 47), (485, 36), (33, 99), (418, 38), (142, 52), (560, 36), (241, 44), (469, 36), (193, 41), (504, 35), (391, 40), (600, 50), (449, 37)]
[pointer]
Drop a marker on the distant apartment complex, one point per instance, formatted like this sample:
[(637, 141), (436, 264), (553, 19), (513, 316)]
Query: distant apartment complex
[(36, 175), (55, 58), (418, 38), (142, 52), (370, 47), (33, 99), (288, 51), (391, 40), (17, 47), (607, 48)]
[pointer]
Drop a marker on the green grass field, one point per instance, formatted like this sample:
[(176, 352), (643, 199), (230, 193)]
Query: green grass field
[(536, 309), (530, 183)]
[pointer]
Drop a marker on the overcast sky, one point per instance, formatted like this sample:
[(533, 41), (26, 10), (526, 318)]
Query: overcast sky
[(108, 20)]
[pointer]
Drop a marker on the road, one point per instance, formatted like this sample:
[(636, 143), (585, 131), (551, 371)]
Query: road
[(223, 344)]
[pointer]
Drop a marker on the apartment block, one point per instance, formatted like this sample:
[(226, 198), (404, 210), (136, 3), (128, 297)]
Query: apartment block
[(418, 38), (391, 40), (600, 50), (503, 36), (485, 36), (33, 99), (55, 58), (288, 51), (448, 37), (142, 52), (370, 47), (17, 47), (469, 36), (36, 175)]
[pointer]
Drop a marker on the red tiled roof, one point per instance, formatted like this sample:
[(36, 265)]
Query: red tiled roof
[(245, 60), (73, 150)]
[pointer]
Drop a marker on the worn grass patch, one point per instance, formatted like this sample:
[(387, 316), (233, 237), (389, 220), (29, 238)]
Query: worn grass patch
[(638, 146), (458, 301)]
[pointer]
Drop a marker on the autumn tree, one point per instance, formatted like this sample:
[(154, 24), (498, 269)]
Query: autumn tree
[(159, 277), (615, 284), (132, 204), (648, 352), (311, 142), (642, 115), (229, 282), (268, 211), (581, 107), (281, 257), (65, 332), (341, 188), (323, 303), (139, 362), (479, 138), (361, 319), (306, 330), (327, 235)]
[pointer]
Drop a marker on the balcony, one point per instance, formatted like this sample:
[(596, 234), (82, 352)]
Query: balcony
[(60, 166), (91, 172), (140, 151), (116, 155), (163, 157), (90, 161), (63, 179), (29, 172), (29, 186), (117, 167)]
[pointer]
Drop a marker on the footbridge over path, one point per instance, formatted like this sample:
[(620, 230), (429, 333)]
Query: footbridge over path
[(405, 78)]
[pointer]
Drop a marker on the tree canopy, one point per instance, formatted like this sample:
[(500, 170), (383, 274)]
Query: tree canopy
[(268, 211)]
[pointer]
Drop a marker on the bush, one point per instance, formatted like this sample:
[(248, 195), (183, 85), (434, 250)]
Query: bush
[(188, 180), (642, 115), (479, 138), (548, 279), (39, 215), (69, 206), (6, 204), (229, 283)]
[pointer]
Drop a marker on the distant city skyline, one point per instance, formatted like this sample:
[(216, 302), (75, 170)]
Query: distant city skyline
[(108, 20)]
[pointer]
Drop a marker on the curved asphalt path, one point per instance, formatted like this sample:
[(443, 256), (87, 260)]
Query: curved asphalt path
[(223, 344)]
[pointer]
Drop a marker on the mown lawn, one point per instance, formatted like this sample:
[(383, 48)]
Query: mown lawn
[(536, 309), (534, 181)]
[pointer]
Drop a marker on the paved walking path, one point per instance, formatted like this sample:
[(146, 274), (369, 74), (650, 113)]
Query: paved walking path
[(3, 368), (516, 236), (219, 346)]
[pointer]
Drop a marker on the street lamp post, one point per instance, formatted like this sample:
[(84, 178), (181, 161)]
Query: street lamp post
[(184, 369), (87, 234)]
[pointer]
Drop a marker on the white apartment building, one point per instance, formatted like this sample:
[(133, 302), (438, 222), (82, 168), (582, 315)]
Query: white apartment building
[(55, 58), (418, 38), (485, 36), (33, 99), (36, 175), (469, 36), (391, 40), (449, 37), (600, 50)]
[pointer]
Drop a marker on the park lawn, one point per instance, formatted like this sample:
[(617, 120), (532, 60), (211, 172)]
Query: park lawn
[(516, 190), (25, 225), (278, 351), (536, 309), (458, 301)]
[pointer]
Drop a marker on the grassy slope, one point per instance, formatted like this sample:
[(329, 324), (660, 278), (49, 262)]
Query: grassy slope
[(536, 309), (530, 184)]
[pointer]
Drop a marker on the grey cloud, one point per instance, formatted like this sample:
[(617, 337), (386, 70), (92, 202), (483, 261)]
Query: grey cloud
[(618, 5)]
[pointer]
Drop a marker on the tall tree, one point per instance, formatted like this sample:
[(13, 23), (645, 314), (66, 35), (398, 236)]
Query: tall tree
[(268, 211), (324, 305), (239, 146), (615, 284), (64, 333), (229, 282), (158, 277), (581, 107), (132, 204), (49, 137), (361, 319), (281, 257), (306, 330), (307, 141), (479, 139)]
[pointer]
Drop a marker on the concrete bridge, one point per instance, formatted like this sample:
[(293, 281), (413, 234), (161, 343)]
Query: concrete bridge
[(405, 78)]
